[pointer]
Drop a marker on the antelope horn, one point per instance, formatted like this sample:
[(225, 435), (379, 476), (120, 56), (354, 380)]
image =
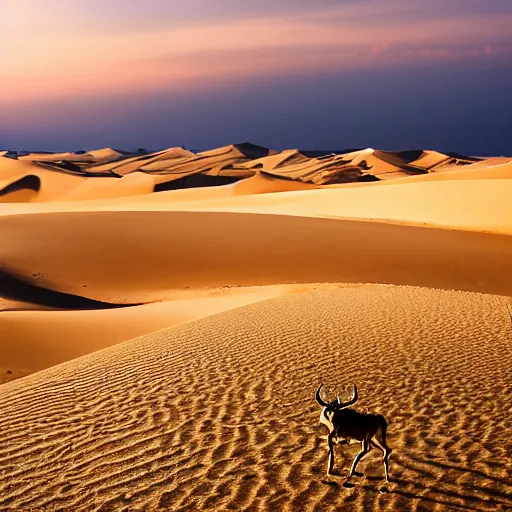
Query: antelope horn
[(319, 398), (353, 400)]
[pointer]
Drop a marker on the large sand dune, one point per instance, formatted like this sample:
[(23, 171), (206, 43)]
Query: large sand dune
[(32, 337), (135, 257), (247, 295), (219, 414)]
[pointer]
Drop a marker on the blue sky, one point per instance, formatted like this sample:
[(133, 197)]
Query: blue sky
[(284, 73)]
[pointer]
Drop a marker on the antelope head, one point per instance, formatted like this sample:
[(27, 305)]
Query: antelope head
[(329, 408)]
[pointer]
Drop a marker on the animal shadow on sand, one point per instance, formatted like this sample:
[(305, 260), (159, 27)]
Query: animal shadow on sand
[(456, 486), (433, 483)]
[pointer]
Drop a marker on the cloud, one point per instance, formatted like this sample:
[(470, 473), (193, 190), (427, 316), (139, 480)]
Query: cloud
[(73, 57)]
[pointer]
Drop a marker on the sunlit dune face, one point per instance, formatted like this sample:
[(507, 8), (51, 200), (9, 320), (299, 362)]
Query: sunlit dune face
[(61, 49)]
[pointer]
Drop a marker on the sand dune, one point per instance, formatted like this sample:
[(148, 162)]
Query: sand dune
[(219, 414), (486, 162), (386, 165), (429, 160), (134, 257), (150, 162), (51, 184), (263, 183), (10, 168), (58, 157), (136, 183), (454, 204), (96, 156), (106, 155), (119, 194), (473, 205), (177, 168), (218, 162), (247, 295), (476, 171), (34, 340), (418, 200), (287, 157)]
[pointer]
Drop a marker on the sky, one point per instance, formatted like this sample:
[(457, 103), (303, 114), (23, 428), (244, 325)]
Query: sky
[(323, 74)]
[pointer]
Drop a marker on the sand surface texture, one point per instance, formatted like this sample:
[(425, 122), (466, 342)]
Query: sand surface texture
[(166, 318), (219, 413)]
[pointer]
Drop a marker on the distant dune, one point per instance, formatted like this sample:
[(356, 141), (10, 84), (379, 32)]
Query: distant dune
[(171, 167), (166, 317)]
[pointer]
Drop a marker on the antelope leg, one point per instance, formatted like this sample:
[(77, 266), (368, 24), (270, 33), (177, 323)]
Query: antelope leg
[(358, 457), (386, 451), (330, 463)]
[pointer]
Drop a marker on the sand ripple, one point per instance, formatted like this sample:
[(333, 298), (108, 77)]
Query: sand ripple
[(219, 414)]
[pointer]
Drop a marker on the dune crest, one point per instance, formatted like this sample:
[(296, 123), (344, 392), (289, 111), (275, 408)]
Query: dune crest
[(178, 168), (166, 317), (138, 257), (36, 336), (220, 414)]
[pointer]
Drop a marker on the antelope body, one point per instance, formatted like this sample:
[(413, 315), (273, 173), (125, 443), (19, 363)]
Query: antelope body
[(345, 424)]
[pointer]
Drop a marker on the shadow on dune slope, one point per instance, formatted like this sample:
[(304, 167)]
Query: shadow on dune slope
[(194, 181), (22, 189), (17, 288)]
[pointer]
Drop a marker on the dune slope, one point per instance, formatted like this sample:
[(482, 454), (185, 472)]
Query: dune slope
[(237, 301), (465, 204), (137, 257), (31, 340), (219, 414)]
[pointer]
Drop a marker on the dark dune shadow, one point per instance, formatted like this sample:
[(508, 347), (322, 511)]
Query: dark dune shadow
[(29, 182), (399, 158), (367, 177), (85, 169), (460, 156), (194, 181), (18, 289), (275, 176), (251, 150), (402, 160)]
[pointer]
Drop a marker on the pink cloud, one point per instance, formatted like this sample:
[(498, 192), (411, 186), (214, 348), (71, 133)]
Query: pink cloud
[(73, 61)]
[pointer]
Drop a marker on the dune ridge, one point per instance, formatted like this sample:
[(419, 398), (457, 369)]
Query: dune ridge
[(36, 336), (219, 413), (166, 317), (245, 250), (180, 168)]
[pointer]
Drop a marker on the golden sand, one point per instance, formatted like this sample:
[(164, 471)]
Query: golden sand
[(161, 345)]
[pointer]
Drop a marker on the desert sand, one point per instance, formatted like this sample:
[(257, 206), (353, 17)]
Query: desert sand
[(166, 318)]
